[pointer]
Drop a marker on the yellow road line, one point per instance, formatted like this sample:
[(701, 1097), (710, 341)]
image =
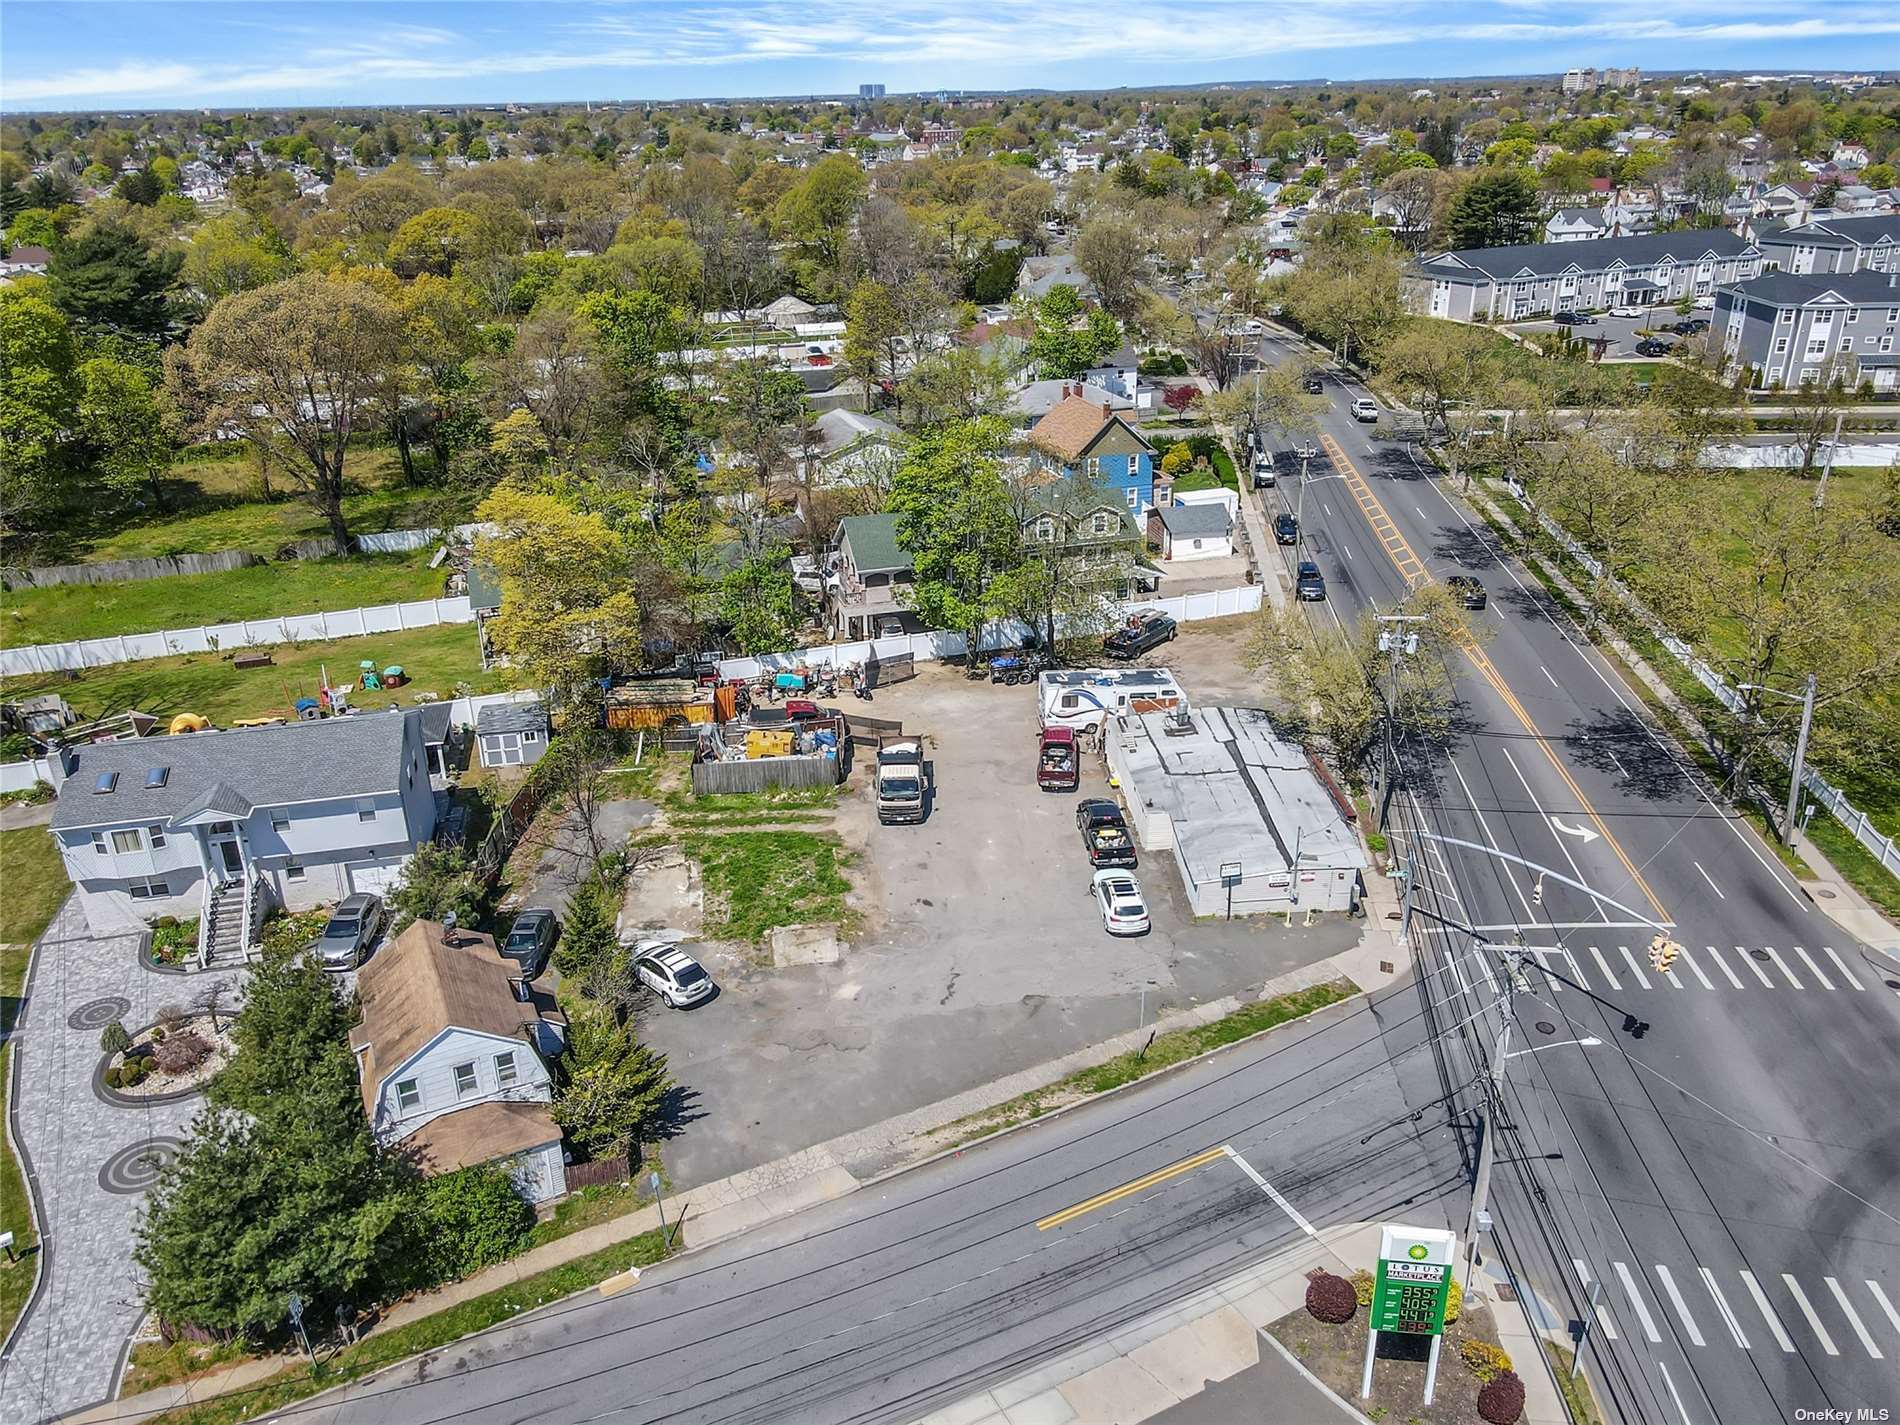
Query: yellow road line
[(1413, 571), (1160, 1175)]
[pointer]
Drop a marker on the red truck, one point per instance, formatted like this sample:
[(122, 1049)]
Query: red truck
[(1058, 760)]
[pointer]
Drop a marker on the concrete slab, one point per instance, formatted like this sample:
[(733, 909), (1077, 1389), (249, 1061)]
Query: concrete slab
[(1211, 1348), (1119, 1393), (1049, 1408), (977, 1410), (805, 945)]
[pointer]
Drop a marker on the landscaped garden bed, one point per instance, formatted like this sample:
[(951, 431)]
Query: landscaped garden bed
[(174, 943), (176, 1056)]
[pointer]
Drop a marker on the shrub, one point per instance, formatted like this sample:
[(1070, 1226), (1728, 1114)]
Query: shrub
[(165, 922), (468, 1220), (1331, 1299), (113, 1039), (133, 1073), (1483, 1360), (1454, 1302), (1501, 1401), (113, 1077), (182, 1052), (1363, 1283), (170, 1016)]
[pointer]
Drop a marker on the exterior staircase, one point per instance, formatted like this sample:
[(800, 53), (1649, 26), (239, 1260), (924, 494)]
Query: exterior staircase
[(223, 938)]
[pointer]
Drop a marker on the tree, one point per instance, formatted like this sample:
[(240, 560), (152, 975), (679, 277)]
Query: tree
[(873, 336), (954, 519), (1814, 405), (1067, 341), (569, 609), (1272, 398), (616, 1089), (38, 397), (437, 239), (437, 882), (1069, 585), (756, 603), (1412, 198), (295, 363), (1111, 252), (587, 937), (121, 426), (1497, 208), (233, 253), (554, 372), (1446, 372), (1347, 292), (108, 278)]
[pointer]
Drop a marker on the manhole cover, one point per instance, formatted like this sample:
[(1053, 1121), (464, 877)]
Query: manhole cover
[(1761, 955), (1824, 895), (1544, 1026), (135, 1167), (99, 1013)]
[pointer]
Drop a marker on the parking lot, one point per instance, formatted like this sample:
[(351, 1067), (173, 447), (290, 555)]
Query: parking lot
[(1623, 332), (980, 951)]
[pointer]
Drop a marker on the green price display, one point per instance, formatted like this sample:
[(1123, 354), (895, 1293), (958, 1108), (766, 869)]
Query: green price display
[(1410, 1297)]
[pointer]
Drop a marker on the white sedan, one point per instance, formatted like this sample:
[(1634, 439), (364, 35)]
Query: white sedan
[(1118, 897), (1628, 309)]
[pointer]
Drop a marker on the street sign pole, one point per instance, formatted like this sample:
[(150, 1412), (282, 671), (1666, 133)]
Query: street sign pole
[(1431, 1369), (1230, 877), (653, 1186)]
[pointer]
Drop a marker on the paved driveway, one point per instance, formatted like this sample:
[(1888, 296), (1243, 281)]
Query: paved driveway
[(1623, 332), (89, 1163)]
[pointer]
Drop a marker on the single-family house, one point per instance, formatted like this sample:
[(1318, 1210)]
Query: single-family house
[(1059, 269), (1090, 533), (24, 260), (1193, 530), (220, 825), (1091, 440), (1574, 225), (453, 1056), (1120, 373), (852, 447), (1038, 398), (512, 734), (789, 312), (866, 579)]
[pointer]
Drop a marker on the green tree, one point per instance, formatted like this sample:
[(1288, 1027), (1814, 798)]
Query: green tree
[(437, 881), (1497, 208), (108, 278), (1111, 253), (464, 1221), (1067, 339), (234, 253), (873, 336), (436, 239), (757, 605), (587, 937), (33, 227), (954, 518), (38, 396), (616, 1089), (120, 423), (817, 210)]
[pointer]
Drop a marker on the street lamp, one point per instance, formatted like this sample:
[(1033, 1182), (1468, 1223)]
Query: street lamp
[(1806, 699)]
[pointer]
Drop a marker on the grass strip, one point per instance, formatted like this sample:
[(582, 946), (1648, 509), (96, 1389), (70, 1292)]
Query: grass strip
[(427, 1334), (17, 1276), (1576, 1393), (758, 881)]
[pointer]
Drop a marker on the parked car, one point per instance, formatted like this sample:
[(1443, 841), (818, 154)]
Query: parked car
[(1649, 346), (1263, 471), (1314, 386), (1118, 897), (1058, 760), (1105, 835), (1690, 326), (1145, 629), (672, 974), (1286, 529), (1574, 319), (1364, 408), (1628, 309), (1468, 591), (803, 710), (351, 932), (531, 940), (1308, 582), (1705, 303)]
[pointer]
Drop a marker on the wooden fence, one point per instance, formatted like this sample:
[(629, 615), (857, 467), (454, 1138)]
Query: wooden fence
[(717, 779), (118, 571), (597, 1173)]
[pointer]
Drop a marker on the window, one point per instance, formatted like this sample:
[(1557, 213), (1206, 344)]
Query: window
[(145, 890), (366, 810), (124, 841), (1094, 466), (155, 837), (530, 736), (1781, 343), (106, 782), (1853, 314), (1893, 314), (1046, 530), (505, 1069), (1104, 522), (99, 843), (280, 822), (464, 1080), (408, 1094), (1886, 343), (157, 777), (1134, 498), (292, 871), (1785, 315)]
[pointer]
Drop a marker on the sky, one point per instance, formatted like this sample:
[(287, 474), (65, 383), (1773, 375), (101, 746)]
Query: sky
[(144, 54)]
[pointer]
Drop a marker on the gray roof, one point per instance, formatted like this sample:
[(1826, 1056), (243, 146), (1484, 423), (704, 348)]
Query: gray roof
[(433, 721), (334, 758), (1591, 216), (1787, 289), (1196, 521), (842, 429), (1861, 231), (528, 715), (1546, 259), (1037, 398)]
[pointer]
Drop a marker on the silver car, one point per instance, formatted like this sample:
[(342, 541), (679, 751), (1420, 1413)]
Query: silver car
[(672, 974), (351, 933)]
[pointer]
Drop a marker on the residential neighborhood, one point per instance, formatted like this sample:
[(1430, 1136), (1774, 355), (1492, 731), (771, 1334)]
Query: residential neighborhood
[(1128, 743)]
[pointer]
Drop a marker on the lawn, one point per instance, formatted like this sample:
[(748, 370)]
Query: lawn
[(35, 881), (72, 611), (207, 683), (757, 881), (16, 1277)]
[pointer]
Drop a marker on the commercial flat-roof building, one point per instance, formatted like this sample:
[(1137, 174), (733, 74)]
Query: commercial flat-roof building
[(1254, 824)]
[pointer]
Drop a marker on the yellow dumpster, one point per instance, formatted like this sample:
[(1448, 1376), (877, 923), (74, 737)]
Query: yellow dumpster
[(768, 742)]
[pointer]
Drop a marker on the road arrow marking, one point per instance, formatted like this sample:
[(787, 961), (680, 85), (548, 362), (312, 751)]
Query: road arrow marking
[(1583, 833)]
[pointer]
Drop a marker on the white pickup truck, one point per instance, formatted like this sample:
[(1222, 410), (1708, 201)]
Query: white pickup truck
[(900, 783)]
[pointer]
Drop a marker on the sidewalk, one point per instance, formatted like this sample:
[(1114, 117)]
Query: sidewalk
[(730, 1206), (1159, 1367)]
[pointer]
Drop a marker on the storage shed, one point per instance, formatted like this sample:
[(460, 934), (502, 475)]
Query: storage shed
[(512, 734)]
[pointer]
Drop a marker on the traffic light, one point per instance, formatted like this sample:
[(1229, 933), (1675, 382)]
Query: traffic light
[(1537, 891), (1662, 954)]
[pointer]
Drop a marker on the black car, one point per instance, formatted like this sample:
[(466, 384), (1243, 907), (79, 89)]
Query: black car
[(1690, 326), (1286, 529), (1145, 629), (1468, 591), (1104, 833), (1649, 346), (531, 940), (1308, 582), (1574, 319), (1314, 386)]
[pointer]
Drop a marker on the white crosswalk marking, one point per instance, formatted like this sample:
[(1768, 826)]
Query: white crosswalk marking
[(1604, 965), (1635, 969), (1682, 1307), (1636, 1302), (1696, 969), (1721, 1305), (1575, 967), (1885, 1305), (1722, 965), (1853, 1318), (1841, 965), (1808, 960), (1767, 1312), (1782, 965), (1603, 1311), (1807, 1310), (1756, 970)]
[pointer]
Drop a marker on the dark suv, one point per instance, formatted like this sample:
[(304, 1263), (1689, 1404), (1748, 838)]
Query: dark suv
[(1467, 590), (1286, 529), (1308, 582), (531, 940), (1145, 629)]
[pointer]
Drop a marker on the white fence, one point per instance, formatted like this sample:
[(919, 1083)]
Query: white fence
[(1885, 848), (250, 633), (18, 776), (1853, 455), (401, 541), (927, 647)]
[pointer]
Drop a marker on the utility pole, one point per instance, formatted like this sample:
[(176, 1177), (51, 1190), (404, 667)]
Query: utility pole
[(1299, 515), (1487, 1120), (1801, 743), (1392, 642), (1827, 468)]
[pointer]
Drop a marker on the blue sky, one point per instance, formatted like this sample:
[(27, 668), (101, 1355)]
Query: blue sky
[(72, 54)]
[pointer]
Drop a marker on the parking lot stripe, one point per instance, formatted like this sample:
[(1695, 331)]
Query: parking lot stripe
[(1853, 1318), (1807, 1310), (1160, 1175), (1767, 1312)]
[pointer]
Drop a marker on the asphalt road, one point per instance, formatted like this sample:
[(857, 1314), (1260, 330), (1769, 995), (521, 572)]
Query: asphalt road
[(905, 1296), (1731, 1176)]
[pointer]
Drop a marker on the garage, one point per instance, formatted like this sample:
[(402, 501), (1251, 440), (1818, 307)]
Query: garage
[(374, 876)]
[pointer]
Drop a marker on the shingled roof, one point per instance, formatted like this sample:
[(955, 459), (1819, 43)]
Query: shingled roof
[(1073, 425)]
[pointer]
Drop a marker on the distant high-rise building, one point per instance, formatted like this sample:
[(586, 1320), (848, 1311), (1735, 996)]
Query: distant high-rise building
[(1630, 78), (1579, 81), (870, 91)]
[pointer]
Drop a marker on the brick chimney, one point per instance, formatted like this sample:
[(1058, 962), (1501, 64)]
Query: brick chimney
[(1108, 411)]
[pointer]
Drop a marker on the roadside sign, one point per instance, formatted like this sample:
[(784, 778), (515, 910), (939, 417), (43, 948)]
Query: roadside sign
[(1409, 1292), (1230, 873)]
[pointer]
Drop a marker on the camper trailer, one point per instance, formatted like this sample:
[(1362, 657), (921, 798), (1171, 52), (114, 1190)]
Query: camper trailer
[(1088, 697)]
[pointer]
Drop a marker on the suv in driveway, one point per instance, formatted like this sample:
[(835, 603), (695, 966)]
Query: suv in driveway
[(351, 932), (1574, 319), (1649, 346), (672, 974), (530, 941), (1145, 629), (1308, 582)]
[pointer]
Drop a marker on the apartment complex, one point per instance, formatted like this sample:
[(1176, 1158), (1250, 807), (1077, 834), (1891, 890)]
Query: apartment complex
[(1859, 244), (1786, 329), (1536, 279)]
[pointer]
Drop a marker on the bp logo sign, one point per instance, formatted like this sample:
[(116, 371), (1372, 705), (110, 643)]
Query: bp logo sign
[(1413, 1282), (1418, 1251)]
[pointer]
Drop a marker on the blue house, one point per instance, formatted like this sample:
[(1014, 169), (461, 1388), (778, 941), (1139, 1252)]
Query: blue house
[(1080, 438)]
